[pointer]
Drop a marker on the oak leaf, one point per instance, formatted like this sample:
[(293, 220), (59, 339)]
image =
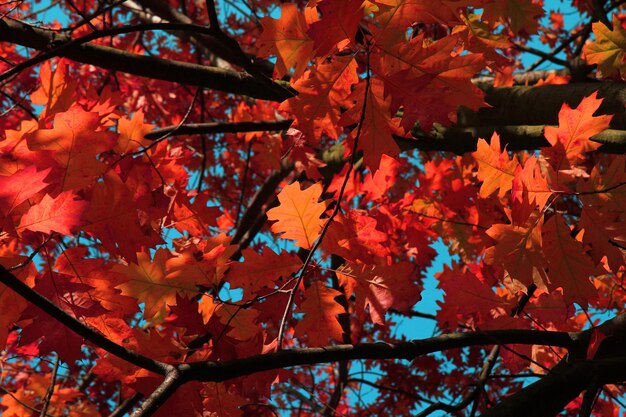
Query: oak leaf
[(320, 310), (608, 49), (286, 38), (76, 140), (495, 169), (62, 214), (571, 139), (298, 214)]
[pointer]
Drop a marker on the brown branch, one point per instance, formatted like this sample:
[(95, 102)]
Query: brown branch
[(78, 327), (221, 46), (548, 396), (125, 406), (145, 66), (221, 371), (516, 137), (219, 127), (162, 393)]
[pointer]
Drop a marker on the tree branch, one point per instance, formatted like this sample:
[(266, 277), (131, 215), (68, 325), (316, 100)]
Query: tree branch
[(221, 371), (219, 127), (145, 66), (173, 380), (78, 327), (517, 137)]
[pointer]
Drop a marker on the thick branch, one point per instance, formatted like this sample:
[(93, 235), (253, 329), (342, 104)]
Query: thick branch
[(219, 127), (145, 66), (78, 327), (220, 46), (548, 396), (517, 137), (221, 371), (527, 105)]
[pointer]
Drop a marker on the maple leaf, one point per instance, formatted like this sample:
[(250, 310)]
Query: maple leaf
[(529, 191), (132, 132), (522, 15), (378, 288), (148, 281), (495, 169), (20, 186), (323, 91), (339, 22), (76, 139), (384, 177), (57, 91), (113, 218), (62, 214), (376, 129), (298, 214), (519, 250), (428, 80), (606, 190), (569, 267), (320, 310), (572, 137), (608, 48), (261, 270), (395, 16), (286, 38)]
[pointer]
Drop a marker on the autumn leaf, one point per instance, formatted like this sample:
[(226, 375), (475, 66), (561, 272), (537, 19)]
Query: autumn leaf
[(148, 282), (286, 38), (378, 288), (76, 140), (519, 250), (263, 269), (62, 214), (113, 217), (339, 22), (376, 128), (569, 267), (323, 91), (607, 50), (571, 139), (495, 169), (132, 132), (298, 214), (521, 15), (320, 310), (57, 91), (20, 186)]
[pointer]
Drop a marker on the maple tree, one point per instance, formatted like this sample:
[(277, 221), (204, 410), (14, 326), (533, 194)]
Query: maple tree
[(230, 208)]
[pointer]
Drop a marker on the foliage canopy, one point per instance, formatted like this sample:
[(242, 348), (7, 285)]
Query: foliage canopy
[(229, 209)]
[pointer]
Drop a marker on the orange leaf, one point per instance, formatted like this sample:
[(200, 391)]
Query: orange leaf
[(518, 250), (149, 282), (286, 38), (57, 89), (132, 132), (572, 137), (76, 141), (298, 215), (607, 50), (495, 169), (323, 91)]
